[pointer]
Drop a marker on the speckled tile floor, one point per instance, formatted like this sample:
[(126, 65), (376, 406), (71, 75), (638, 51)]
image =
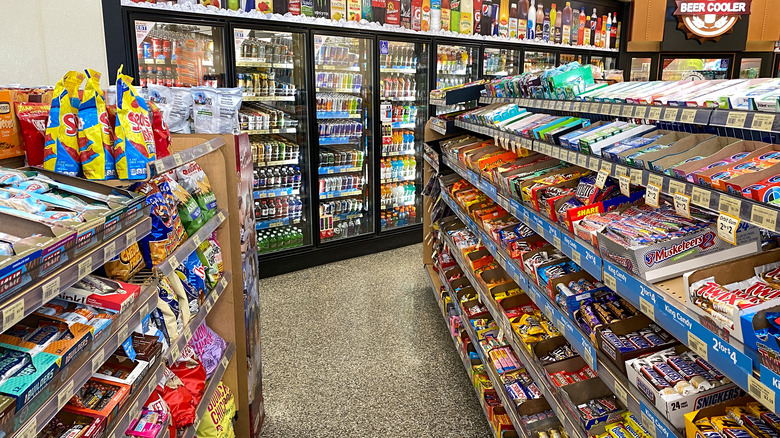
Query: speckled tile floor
[(359, 348)]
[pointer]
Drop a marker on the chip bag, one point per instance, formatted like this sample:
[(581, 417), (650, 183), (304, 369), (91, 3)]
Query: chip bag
[(157, 245), (195, 275), (162, 136), (126, 264), (178, 399), (209, 346), (191, 372), (192, 177), (168, 305), (33, 117), (181, 296), (61, 147), (217, 423), (134, 144), (95, 142), (191, 216), (205, 113), (210, 254)]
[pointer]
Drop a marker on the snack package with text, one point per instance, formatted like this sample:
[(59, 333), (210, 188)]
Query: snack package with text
[(61, 149), (134, 144), (32, 121), (95, 142)]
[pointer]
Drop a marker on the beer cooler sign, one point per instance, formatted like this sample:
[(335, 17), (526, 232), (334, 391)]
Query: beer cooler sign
[(709, 19)]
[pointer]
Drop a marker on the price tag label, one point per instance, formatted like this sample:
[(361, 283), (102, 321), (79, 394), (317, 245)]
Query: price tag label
[(676, 186), (636, 176), (98, 360), (150, 386), (209, 304), (620, 171), (224, 362), (601, 178), (615, 111), (177, 159), (65, 394), (221, 216), (628, 111), (655, 179), (109, 251), (609, 280), (130, 237), (762, 122), (30, 430), (576, 257), (697, 345), (654, 113), (85, 267), (625, 185), (582, 160), (174, 352), (653, 195), (196, 239), (621, 394), (593, 163), (649, 425), (764, 217), (727, 228), (670, 114), (604, 109), (135, 411), (187, 333), (51, 289), (640, 112), (223, 282), (682, 205), (688, 116), (729, 205), (736, 119), (13, 314), (173, 261), (122, 334), (557, 242), (647, 308), (700, 197), (761, 392)]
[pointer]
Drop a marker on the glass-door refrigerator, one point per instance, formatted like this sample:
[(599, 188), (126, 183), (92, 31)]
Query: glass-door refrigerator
[(537, 61), (179, 54), (270, 70), (455, 65), (344, 117), (500, 62), (403, 111)]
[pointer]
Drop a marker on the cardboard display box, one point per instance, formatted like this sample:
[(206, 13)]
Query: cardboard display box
[(35, 377), (624, 327)]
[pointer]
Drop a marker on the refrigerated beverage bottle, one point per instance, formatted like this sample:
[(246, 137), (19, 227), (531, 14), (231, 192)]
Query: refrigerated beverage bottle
[(557, 31), (513, 18), (566, 24), (540, 22), (522, 19), (596, 31), (466, 25), (455, 7), (426, 16), (575, 27), (503, 18), (613, 37), (446, 11), (586, 40), (553, 14), (435, 15), (412, 166), (531, 31), (546, 26), (606, 31)]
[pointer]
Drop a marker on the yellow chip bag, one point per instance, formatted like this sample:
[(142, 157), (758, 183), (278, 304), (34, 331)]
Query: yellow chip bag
[(134, 144), (95, 142), (61, 147)]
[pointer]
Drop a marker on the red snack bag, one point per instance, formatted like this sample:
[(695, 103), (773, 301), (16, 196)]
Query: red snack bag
[(190, 372), (32, 120), (162, 136), (179, 400)]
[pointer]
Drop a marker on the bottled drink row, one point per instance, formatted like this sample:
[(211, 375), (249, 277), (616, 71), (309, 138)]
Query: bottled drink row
[(159, 76), (256, 116), (397, 194), (398, 57), (274, 149), (339, 102), (341, 183), (286, 207), (400, 113), (501, 62), (332, 158), (343, 229), (345, 81), (336, 55), (279, 239), (396, 140), (277, 177), (567, 26), (398, 167), (277, 51), (453, 60), (183, 47), (399, 217), (264, 84), (392, 86), (344, 206), (338, 128)]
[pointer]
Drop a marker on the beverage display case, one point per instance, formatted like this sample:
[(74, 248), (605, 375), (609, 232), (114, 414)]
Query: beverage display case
[(500, 62), (342, 71), (403, 92), (565, 58), (270, 71), (538, 61), (179, 55), (455, 65)]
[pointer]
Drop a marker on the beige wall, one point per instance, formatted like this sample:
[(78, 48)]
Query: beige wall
[(43, 39)]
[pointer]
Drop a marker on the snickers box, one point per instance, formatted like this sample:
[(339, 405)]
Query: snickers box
[(674, 408), (692, 430)]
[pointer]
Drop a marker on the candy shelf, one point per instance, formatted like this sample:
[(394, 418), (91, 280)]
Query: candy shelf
[(275, 193), (431, 157), (192, 242), (18, 305), (275, 223), (41, 409), (615, 380), (131, 410), (176, 159), (537, 375), (269, 98), (189, 432), (664, 302), (437, 280), (181, 341)]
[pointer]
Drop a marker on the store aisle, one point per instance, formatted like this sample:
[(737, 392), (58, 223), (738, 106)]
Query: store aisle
[(359, 348)]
